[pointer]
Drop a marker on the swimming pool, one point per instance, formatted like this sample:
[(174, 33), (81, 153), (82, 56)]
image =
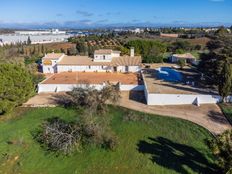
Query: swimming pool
[(169, 74)]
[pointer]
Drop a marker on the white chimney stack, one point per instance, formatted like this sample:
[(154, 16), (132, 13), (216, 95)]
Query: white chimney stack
[(132, 52)]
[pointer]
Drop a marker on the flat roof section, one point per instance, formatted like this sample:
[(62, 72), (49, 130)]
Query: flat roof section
[(93, 78), (159, 86)]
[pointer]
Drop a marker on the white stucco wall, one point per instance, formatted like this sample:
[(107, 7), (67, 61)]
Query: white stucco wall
[(178, 99), (102, 58), (182, 99), (73, 68), (68, 87), (131, 87), (50, 68), (68, 68)]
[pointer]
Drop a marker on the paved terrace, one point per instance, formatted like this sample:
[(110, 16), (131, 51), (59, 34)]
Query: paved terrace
[(158, 86), (93, 78)]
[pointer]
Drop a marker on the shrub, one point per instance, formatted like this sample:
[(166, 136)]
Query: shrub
[(181, 63), (93, 99), (132, 117), (221, 146), (57, 135), (110, 141)]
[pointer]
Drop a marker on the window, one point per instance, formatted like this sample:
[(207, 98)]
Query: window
[(104, 57), (89, 67)]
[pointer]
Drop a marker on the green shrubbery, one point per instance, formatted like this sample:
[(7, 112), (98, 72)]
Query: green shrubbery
[(151, 51), (221, 147), (93, 127), (16, 86)]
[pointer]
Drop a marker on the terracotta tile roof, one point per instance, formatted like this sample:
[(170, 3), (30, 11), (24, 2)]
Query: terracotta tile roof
[(184, 56), (80, 60), (92, 78), (85, 60), (53, 56), (103, 51), (126, 61)]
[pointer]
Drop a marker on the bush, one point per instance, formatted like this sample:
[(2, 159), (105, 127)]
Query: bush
[(181, 63), (57, 135), (221, 147), (110, 141), (132, 117), (16, 86), (153, 59), (94, 100)]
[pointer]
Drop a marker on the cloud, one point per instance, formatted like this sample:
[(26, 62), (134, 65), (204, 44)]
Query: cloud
[(84, 13)]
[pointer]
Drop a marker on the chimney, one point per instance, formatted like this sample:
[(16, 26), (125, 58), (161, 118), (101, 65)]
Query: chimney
[(132, 52)]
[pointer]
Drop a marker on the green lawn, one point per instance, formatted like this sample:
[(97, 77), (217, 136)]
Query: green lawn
[(161, 145), (227, 110)]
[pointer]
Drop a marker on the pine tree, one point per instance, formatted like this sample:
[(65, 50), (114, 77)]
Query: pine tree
[(28, 40), (15, 88), (225, 81)]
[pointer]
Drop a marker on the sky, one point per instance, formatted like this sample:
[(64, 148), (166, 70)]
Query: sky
[(84, 13)]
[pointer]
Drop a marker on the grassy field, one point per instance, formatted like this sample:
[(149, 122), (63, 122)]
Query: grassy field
[(157, 145), (227, 110)]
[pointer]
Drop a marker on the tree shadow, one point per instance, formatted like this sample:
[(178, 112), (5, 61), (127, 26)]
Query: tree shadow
[(62, 100), (175, 156), (217, 117)]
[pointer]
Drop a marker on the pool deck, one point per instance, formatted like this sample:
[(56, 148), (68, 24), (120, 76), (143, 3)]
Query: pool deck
[(155, 85)]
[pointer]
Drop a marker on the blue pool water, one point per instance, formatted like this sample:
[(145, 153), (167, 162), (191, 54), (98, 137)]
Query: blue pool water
[(169, 74)]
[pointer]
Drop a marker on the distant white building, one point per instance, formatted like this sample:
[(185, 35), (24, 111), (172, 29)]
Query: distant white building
[(40, 32), (137, 30), (188, 57), (105, 60)]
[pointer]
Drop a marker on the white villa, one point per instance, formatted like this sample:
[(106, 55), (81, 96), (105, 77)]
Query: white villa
[(188, 57), (108, 66), (105, 60)]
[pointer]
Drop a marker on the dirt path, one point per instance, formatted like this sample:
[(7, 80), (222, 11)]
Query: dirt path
[(208, 116)]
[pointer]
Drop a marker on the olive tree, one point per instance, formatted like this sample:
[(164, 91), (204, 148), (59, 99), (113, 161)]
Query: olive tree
[(93, 99)]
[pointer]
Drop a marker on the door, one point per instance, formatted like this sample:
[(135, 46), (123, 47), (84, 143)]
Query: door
[(115, 69), (126, 68)]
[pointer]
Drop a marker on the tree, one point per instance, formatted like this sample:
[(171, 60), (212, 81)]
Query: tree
[(222, 31), (15, 86), (182, 63), (221, 146), (42, 49), (212, 63), (71, 51), (225, 82), (94, 100), (81, 48), (28, 40)]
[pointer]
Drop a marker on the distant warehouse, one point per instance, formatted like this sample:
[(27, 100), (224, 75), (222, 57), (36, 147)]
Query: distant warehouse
[(40, 32)]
